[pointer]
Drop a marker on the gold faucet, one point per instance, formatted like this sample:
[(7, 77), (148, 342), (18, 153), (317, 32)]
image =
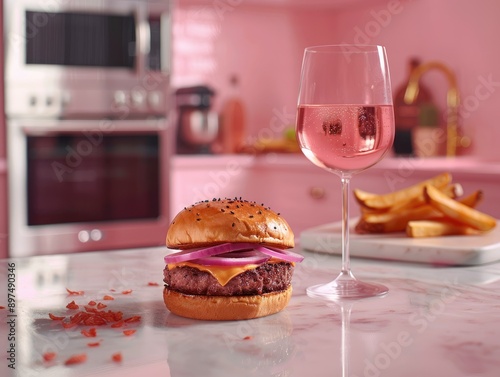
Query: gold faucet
[(453, 140)]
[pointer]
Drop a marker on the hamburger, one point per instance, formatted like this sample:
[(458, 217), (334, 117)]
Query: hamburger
[(232, 261)]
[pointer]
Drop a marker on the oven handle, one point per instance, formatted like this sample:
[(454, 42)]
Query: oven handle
[(106, 127)]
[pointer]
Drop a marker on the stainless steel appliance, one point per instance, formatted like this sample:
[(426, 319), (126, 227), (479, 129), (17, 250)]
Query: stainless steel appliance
[(76, 58), (88, 124)]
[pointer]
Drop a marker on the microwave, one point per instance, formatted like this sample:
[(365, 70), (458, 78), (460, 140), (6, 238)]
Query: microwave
[(92, 58)]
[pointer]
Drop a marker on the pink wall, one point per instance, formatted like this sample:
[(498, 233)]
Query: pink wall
[(263, 45), (462, 34)]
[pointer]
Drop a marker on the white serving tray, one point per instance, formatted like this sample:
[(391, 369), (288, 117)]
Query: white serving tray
[(449, 250)]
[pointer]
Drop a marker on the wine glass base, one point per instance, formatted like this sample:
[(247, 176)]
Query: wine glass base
[(346, 289)]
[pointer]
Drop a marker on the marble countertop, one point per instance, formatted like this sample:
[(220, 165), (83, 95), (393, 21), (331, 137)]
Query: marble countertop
[(433, 322)]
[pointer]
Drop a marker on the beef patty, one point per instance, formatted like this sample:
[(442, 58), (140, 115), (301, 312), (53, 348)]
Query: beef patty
[(268, 277)]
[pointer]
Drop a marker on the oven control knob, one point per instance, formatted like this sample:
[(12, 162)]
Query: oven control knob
[(138, 98), (84, 236), (95, 235), (155, 99), (120, 97), (33, 101)]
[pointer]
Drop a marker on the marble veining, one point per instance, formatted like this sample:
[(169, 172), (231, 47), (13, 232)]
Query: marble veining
[(435, 321)]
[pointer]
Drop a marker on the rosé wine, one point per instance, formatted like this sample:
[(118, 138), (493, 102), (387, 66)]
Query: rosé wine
[(345, 138)]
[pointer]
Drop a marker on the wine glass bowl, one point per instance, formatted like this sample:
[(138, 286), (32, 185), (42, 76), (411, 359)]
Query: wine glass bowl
[(345, 124)]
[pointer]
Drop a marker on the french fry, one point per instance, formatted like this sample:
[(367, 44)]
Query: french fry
[(472, 200), (431, 208), (458, 211), (453, 191), (386, 201), (426, 228), (389, 222)]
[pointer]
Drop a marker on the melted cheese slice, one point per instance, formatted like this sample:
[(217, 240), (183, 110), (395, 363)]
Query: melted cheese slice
[(223, 274)]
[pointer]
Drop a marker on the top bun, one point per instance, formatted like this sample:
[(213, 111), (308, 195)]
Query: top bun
[(218, 221)]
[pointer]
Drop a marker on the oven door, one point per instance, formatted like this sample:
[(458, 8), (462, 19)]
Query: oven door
[(87, 185)]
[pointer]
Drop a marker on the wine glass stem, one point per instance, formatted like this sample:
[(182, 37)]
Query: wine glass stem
[(346, 261)]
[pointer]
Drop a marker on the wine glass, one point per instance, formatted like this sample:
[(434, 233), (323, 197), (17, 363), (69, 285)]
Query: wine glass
[(345, 124)]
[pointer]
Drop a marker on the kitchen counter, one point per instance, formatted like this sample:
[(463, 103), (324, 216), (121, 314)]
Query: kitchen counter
[(433, 322)]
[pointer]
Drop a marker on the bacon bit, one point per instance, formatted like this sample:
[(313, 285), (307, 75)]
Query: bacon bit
[(55, 318), (96, 344), (112, 290), (76, 359), (135, 318), (91, 333), (72, 305), (93, 317), (49, 356), (106, 297), (95, 320), (75, 293), (118, 324), (117, 357), (129, 332), (68, 325), (153, 284), (90, 309), (101, 305), (248, 337), (92, 303), (127, 292)]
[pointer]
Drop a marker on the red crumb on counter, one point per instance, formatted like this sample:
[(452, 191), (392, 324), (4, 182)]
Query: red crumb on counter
[(55, 317), (76, 359), (117, 357), (107, 297), (75, 293), (72, 305), (248, 337), (129, 332), (101, 305), (95, 344), (135, 318), (92, 303), (118, 324), (126, 292), (49, 356), (91, 333), (153, 284)]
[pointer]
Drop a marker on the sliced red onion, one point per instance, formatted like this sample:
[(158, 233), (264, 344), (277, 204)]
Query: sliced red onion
[(190, 254), (235, 253), (286, 255)]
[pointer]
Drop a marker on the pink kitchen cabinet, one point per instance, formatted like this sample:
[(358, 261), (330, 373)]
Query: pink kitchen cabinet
[(308, 196), (305, 195)]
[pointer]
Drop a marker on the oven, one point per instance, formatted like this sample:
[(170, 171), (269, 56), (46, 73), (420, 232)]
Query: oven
[(88, 122), (83, 185)]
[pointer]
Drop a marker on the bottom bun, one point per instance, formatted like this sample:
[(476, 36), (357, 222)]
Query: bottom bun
[(226, 308)]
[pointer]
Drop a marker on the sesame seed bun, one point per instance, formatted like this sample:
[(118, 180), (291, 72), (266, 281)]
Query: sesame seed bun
[(218, 221)]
